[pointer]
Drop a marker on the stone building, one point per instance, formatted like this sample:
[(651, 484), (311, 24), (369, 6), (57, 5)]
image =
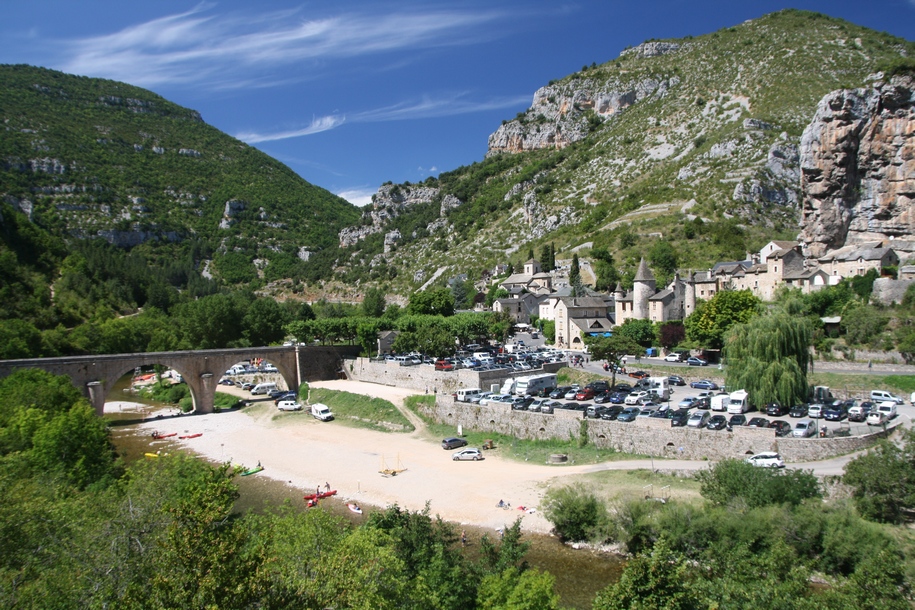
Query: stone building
[(577, 317)]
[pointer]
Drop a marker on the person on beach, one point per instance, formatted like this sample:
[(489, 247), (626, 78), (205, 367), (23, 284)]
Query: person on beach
[(326, 486), (463, 537)]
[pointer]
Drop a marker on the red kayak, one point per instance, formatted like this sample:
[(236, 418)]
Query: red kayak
[(157, 435), (322, 495), (192, 435)]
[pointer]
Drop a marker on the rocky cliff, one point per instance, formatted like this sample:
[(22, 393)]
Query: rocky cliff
[(858, 166)]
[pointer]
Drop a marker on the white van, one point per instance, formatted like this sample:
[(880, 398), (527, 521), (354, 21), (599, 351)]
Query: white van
[(321, 411), (263, 388), (467, 393), (719, 402), (883, 395), (288, 405)]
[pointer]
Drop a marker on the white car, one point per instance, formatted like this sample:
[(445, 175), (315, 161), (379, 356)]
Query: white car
[(876, 418), (634, 398), (815, 410), (288, 405), (888, 408), (766, 459), (470, 453), (687, 402), (672, 358)]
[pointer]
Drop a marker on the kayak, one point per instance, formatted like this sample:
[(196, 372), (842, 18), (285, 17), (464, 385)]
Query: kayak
[(192, 435), (157, 435), (320, 496), (254, 470), (354, 507), (151, 455)]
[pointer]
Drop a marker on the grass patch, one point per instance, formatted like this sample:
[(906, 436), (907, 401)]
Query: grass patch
[(361, 411), (224, 402), (621, 485)]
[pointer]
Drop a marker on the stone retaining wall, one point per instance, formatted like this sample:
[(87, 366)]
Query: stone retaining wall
[(649, 436), (424, 377)]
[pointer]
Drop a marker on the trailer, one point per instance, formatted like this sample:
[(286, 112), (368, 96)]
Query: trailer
[(533, 384)]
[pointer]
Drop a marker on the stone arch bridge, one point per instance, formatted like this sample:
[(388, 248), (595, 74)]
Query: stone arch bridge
[(201, 369)]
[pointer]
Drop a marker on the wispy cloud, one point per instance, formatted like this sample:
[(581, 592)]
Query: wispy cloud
[(206, 48), (427, 107), (317, 126)]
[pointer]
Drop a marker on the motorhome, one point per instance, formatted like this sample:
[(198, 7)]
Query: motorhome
[(719, 402), (659, 387), (739, 402), (534, 384)]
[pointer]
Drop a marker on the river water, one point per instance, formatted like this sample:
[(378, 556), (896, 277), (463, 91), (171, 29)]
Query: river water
[(579, 574)]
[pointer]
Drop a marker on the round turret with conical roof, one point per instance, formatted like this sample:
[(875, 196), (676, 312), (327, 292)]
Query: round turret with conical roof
[(643, 287)]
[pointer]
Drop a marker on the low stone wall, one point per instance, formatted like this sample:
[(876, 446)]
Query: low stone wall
[(424, 377), (649, 436)]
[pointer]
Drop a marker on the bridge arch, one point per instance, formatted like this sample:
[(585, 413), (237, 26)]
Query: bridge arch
[(201, 369)]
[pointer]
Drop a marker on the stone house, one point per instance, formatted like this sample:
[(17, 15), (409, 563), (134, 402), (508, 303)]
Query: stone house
[(575, 317)]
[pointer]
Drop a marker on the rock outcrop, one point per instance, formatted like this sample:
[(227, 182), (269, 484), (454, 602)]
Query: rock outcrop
[(858, 166), (561, 113)]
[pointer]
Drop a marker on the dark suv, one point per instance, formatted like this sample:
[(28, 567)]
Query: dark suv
[(776, 410)]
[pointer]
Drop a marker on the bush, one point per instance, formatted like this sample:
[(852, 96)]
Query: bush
[(575, 513), (735, 480)]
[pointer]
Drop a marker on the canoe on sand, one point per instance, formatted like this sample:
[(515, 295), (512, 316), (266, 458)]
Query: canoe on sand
[(354, 507)]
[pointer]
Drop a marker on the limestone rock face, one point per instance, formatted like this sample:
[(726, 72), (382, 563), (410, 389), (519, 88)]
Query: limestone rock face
[(858, 166), (560, 114), (388, 203)]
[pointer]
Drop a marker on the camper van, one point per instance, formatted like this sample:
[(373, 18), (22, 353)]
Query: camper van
[(739, 402), (659, 387), (719, 402), (535, 383), (467, 393), (263, 388)]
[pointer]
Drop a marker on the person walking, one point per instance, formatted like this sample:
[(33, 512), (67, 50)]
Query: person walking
[(463, 537)]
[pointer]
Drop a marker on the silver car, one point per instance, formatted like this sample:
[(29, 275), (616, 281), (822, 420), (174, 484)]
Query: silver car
[(470, 453)]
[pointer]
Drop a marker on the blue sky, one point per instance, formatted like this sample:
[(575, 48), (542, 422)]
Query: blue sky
[(351, 94)]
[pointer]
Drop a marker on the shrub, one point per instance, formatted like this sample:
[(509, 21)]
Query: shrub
[(575, 513), (735, 480)]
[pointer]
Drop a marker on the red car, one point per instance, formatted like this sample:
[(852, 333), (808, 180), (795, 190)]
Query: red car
[(443, 365), (585, 394)]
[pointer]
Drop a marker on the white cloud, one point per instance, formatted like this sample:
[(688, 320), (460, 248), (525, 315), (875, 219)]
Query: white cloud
[(358, 196), (209, 49), (317, 125)]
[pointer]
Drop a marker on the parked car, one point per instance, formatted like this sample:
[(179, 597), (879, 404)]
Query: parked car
[(815, 410), (675, 357), (471, 453), (560, 392), (618, 398), (703, 402), (628, 414), (585, 394), (453, 442), (571, 394), (288, 405), (758, 422), (835, 412), (676, 380), (698, 419), (687, 402), (782, 428), (766, 459), (647, 411), (694, 361), (888, 408), (679, 417), (737, 420), (704, 384), (611, 413), (798, 411), (603, 397), (717, 422), (776, 410), (549, 407), (635, 397), (805, 428), (443, 365), (520, 403), (876, 418), (478, 398), (639, 375), (622, 386), (595, 411), (285, 396), (859, 412)]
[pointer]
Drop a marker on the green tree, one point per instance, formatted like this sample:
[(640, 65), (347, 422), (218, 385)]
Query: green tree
[(612, 349), (433, 301), (883, 481), (511, 590), (264, 322), (640, 331), (545, 258), (730, 480), (661, 580), (710, 322), (863, 324), (768, 357), (604, 268), (495, 293), (575, 278), (663, 259), (575, 513), (373, 303)]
